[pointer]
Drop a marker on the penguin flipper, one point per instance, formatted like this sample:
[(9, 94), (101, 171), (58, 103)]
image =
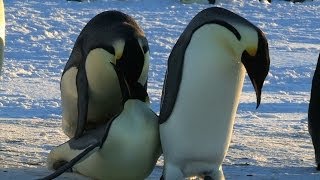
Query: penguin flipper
[(77, 59), (83, 101), (172, 79), (66, 166), (78, 148)]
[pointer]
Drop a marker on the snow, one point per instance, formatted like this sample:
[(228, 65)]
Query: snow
[(271, 142)]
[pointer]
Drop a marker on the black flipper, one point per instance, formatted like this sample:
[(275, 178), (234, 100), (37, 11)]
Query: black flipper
[(89, 141), (77, 59), (71, 163), (83, 100), (314, 113)]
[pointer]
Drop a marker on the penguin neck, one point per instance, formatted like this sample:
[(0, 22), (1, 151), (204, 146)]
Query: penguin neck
[(249, 38), (135, 117), (214, 38), (131, 105)]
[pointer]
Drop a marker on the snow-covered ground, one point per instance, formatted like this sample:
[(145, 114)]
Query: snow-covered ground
[(271, 142)]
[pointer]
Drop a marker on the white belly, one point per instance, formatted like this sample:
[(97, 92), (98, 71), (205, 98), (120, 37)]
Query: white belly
[(69, 98), (196, 136)]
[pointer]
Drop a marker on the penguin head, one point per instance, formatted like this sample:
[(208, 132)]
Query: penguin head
[(257, 62), (128, 49), (124, 44), (132, 62), (253, 45)]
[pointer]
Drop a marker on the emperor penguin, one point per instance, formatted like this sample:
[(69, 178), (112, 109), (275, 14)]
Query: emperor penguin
[(2, 33), (126, 147), (110, 46), (314, 113), (203, 83)]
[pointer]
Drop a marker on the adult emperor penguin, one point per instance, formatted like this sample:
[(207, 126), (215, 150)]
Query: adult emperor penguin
[(202, 87), (127, 147), (2, 32), (109, 47), (314, 113)]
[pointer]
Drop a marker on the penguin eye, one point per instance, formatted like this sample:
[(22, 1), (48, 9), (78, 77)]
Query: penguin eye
[(110, 49), (145, 48)]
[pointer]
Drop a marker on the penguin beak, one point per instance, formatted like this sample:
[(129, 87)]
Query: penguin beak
[(257, 66)]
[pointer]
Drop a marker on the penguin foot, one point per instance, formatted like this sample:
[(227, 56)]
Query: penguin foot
[(318, 167)]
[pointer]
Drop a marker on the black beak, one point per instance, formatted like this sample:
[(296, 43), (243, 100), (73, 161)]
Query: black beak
[(257, 66)]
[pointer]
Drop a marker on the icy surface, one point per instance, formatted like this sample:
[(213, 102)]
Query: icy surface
[(271, 142)]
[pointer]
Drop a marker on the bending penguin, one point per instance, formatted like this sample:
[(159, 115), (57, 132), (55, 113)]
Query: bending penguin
[(2, 33), (127, 147), (203, 83), (314, 113), (110, 48)]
